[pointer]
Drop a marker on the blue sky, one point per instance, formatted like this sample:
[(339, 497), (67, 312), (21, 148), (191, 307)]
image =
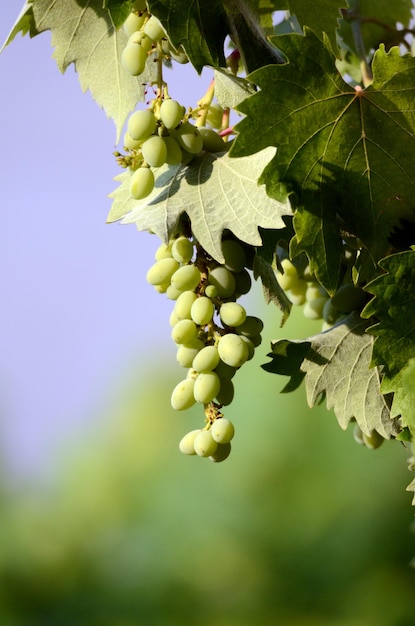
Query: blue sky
[(76, 308)]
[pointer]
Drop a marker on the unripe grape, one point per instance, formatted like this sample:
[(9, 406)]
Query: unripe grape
[(313, 309), (133, 23), (153, 29), (133, 59), (358, 434), (172, 293), (163, 251), (223, 280), (233, 350), (141, 183), (139, 5), (211, 291), (173, 319), (182, 249), (235, 255), (296, 293), (204, 444), (187, 352), (250, 346), (171, 113), (232, 314), (373, 441), (162, 271), (243, 282), (189, 138), (348, 298), (187, 443), (225, 371), (182, 397), (179, 55), (251, 327), (183, 305), (226, 392), (222, 452), (130, 143), (174, 151), (289, 277), (207, 385), (202, 311), (212, 142), (154, 151), (186, 278), (206, 359), (184, 331), (141, 124), (330, 313), (222, 430), (215, 115)]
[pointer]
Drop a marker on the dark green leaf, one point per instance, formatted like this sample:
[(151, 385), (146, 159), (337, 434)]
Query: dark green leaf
[(322, 16)]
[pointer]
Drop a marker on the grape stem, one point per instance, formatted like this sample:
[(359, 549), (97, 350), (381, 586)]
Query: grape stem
[(204, 104)]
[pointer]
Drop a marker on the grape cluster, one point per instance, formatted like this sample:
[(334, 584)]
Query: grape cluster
[(213, 333), (302, 288), (144, 32)]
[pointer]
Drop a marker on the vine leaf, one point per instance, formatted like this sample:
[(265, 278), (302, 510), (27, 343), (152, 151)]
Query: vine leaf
[(321, 16), (215, 191), (337, 364), (84, 33), (199, 26), (25, 23), (346, 153)]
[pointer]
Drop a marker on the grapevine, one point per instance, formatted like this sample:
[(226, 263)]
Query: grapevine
[(313, 115)]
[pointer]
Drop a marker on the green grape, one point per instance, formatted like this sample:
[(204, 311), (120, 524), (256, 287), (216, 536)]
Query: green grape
[(186, 352), (226, 392), (251, 327), (172, 293), (130, 143), (133, 23), (154, 30), (206, 359), (212, 142), (296, 293), (163, 251), (189, 138), (235, 255), (211, 291), (202, 311), (372, 441), (313, 309), (179, 55), (186, 278), (173, 319), (139, 5), (182, 397), (171, 113), (183, 305), (243, 282), (222, 430), (174, 151), (225, 371), (289, 277), (141, 124), (358, 434), (233, 350), (204, 444), (223, 280), (187, 443), (214, 115), (315, 291), (133, 59), (251, 346), (141, 183), (222, 452), (184, 331), (232, 314), (161, 271), (154, 151), (207, 385), (182, 249), (330, 313), (348, 298)]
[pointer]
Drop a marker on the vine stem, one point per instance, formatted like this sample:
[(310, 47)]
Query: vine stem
[(204, 104)]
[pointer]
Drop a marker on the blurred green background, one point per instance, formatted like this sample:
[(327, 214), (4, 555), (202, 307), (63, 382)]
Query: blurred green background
[(300, 526)]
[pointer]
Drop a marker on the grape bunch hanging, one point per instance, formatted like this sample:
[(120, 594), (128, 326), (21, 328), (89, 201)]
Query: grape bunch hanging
[(213, 333)]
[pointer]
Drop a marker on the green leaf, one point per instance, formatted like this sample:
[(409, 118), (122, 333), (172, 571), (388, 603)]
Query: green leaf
[(337, 364), (24, 24), (199, 26), (286, 359), (271, 288), (84, 33), (322, 16), (394, 306), (230, 90), (119, 10), (345, 153), (215, 191), (403, 387)]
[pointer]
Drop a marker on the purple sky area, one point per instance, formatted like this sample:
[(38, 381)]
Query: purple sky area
[(76, 308)]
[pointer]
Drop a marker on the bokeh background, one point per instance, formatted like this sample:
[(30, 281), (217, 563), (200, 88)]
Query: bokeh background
[(103, 522)]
